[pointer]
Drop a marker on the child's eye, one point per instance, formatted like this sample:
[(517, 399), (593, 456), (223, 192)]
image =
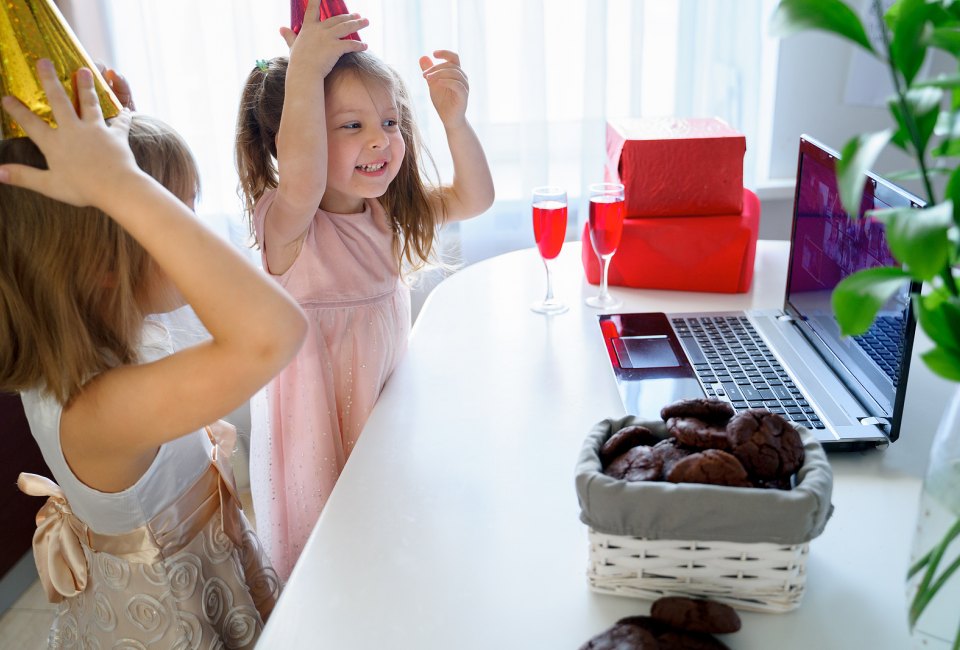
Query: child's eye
[(351, 125), (391, 123)]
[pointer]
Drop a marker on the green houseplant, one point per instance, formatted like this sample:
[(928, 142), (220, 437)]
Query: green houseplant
[(926, 125)]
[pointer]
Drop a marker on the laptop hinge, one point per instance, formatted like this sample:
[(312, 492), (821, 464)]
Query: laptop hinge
[(874, 421)]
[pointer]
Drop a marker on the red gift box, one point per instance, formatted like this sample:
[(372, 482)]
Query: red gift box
[(675, 166), (701, 253)]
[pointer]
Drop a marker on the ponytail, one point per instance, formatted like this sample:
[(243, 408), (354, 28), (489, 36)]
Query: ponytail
[(258, 121)]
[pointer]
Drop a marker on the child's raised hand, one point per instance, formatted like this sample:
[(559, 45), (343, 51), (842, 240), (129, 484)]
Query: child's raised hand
[(322, 42), (84, 154), (448, 86)]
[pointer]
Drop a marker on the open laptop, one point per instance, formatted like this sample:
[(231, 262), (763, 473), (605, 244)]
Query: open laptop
[(793, 361)]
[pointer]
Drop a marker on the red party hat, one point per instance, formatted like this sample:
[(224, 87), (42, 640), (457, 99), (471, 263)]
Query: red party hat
[(328, 8)]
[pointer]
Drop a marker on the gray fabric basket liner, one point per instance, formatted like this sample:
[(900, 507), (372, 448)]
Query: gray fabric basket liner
[(698, 512)]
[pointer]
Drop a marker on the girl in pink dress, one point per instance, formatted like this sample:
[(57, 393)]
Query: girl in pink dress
[(141, 542), (328, 159)]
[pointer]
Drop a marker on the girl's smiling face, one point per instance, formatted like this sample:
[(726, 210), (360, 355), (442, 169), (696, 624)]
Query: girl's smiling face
[(364, 145)]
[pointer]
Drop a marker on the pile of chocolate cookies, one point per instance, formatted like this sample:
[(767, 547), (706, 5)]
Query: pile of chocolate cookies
[(674, 623), (707, 443)]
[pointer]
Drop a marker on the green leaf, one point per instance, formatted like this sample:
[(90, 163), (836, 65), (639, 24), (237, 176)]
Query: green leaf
[(918, 238), (943, 362), (945, 38), (939, 316), (792, 16), (858, 156), (907, 47), (858, 297), (924, 107), (940, 81), (952, 193)]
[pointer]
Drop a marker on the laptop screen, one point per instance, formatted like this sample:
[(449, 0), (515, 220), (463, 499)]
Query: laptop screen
[(828, 245)]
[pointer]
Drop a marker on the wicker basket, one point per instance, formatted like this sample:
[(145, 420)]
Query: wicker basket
[(745, 547), (757, 577)]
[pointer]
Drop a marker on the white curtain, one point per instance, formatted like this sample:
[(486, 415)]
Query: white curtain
[(544, 74)]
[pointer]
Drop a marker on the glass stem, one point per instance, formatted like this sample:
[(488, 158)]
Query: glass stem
[(549, 297), (603, 275)]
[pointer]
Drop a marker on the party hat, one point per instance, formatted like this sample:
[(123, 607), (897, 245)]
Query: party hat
[(328, 8), (32, 30)]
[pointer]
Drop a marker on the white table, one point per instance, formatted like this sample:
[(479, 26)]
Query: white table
[(455, 523)]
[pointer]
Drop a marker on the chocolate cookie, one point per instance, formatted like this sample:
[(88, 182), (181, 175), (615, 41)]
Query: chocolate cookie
[(696, 615), (712, 466), (622, 637), (714, 411), (636, 464), (767, 445), (671, 638), (682, 640), (624, 439), (669, 454), (697, 434)]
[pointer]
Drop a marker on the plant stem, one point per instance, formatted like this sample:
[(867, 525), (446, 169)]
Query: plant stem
[(924, 597), (904, 108), (932, 559)]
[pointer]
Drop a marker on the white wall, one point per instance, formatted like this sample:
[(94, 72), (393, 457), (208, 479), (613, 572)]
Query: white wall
[(816, 76)]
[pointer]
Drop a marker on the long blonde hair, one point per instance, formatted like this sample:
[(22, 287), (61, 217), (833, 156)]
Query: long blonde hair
[(407, 200), (71, 279)]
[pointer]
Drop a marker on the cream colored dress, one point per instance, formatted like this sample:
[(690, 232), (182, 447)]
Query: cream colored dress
[(170, 562)]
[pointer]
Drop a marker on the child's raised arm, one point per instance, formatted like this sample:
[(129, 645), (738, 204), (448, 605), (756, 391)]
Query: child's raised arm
[(127, 412), (302, 136), (471, 191)]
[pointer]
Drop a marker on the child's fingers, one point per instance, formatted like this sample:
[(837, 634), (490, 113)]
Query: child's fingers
[(120, 87), (346, 27), (447, 55), (87, 96), (23, 176), (62, 107), (447, 76), (35, 128), (288, 35)]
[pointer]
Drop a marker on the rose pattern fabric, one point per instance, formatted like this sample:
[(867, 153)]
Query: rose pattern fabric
[(210, 595)]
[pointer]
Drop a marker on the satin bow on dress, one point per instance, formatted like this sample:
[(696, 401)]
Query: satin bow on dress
[(58, 543)]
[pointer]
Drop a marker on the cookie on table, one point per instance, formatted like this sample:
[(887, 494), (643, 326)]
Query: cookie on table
[(671, 638), (711, 466), (696, 615), (712, 411), (697, 434), (636, 464), (622, 637), (624, 439), (766, 444)]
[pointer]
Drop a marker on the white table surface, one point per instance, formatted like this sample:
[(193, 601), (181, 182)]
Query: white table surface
[(455, 522)]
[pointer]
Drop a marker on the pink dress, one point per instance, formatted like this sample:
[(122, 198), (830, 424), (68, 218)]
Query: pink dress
[(345, 278)]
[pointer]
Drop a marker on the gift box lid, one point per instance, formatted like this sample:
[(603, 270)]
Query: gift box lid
[(693, 511), (673, 128), (676, 166)]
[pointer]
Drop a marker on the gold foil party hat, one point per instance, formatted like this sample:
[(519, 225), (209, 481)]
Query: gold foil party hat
[(32, 30)]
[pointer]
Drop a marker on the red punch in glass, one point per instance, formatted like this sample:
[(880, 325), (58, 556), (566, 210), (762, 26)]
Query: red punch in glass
[(549, 230), (606, 226), (328, 8)]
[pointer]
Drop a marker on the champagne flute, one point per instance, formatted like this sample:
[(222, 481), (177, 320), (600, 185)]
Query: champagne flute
[(606, 226), (549, 230)]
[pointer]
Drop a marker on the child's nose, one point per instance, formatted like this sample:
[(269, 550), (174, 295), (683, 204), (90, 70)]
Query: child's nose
[(379, 139)]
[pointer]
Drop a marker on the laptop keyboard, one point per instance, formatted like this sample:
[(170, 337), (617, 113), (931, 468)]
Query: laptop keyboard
[(884, 343), (732, 362)]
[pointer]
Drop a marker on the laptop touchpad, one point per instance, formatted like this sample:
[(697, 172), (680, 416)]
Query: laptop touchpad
[(645, 352)]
